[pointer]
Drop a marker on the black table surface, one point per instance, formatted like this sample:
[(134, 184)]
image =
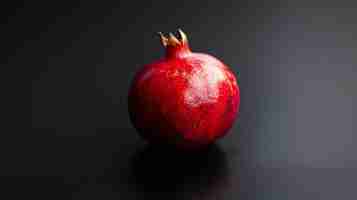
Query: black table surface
[(295, 137)]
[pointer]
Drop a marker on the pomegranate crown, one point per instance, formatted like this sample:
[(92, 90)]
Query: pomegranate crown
[(172, 40)]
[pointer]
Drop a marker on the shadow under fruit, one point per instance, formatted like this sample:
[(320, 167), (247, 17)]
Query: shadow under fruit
[(159, 172)]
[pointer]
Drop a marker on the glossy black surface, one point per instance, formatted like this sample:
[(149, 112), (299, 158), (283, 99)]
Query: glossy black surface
[(295, 139)]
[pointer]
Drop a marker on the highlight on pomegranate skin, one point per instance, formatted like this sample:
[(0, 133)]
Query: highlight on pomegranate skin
[(186, 99)]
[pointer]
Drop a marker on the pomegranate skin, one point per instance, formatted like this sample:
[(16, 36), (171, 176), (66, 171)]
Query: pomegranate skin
[(187, 100)]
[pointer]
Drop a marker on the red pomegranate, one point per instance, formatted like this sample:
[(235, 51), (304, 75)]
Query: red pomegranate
[(186, 100)]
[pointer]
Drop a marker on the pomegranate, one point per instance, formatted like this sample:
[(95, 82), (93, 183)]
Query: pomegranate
[(186, 100)]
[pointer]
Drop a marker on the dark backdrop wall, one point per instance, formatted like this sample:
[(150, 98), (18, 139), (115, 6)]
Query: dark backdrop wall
[(295, 138)]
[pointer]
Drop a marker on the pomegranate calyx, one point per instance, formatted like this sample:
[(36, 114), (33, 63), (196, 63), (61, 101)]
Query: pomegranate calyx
[(175, 45), (172, 40)]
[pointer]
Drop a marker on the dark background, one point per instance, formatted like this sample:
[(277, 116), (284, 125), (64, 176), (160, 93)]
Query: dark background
[(295, 138)]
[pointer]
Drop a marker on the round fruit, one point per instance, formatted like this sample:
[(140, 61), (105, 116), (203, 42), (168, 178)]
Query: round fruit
[(186, 99)]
